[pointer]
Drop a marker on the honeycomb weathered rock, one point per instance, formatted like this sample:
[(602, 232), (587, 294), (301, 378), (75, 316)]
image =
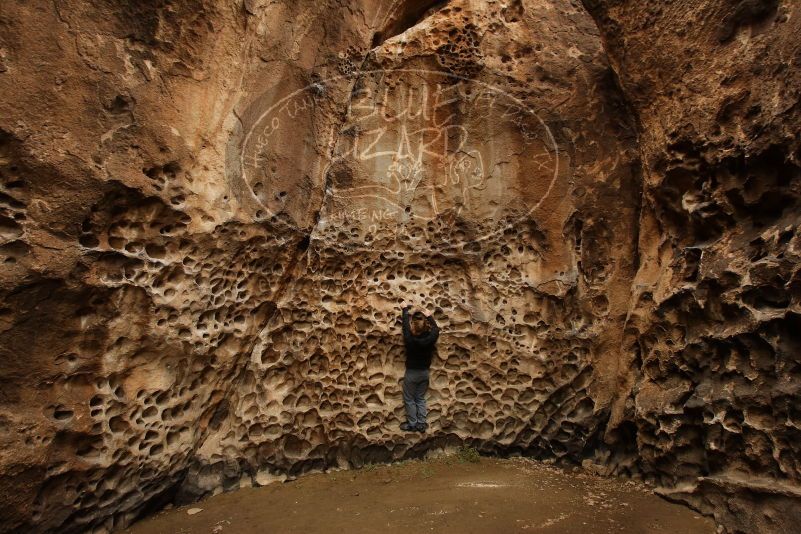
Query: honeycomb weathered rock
[(198, 297), (528, 312), (713, 337), (210, 211)]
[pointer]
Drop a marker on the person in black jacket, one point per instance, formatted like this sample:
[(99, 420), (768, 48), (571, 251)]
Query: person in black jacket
[(420, 337)]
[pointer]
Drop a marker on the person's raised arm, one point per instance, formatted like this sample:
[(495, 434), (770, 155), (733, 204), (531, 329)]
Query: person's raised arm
[(434, 328), (407, 331)]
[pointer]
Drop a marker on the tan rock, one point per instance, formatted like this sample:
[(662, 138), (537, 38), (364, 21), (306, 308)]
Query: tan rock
[(210, 213), (714, 321)]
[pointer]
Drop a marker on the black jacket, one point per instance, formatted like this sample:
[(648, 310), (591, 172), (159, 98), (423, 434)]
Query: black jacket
[(419, 349)]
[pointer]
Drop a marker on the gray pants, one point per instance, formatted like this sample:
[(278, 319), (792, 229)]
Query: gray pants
[(415, 385)]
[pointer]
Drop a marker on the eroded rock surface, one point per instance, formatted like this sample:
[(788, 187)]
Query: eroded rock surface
[(213, 210), (713, 335), (447, 188), (210, 212)]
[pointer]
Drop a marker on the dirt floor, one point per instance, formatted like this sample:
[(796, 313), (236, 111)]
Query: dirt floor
[(445, 495)]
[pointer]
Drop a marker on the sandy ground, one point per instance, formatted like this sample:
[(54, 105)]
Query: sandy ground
[(445, 495)]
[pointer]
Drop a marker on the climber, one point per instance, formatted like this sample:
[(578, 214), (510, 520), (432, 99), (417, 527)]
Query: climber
[(419, 336)]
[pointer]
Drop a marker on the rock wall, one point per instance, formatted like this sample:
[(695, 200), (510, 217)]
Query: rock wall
[(131, 283), (211, 211), (481, 169), (713, 334)]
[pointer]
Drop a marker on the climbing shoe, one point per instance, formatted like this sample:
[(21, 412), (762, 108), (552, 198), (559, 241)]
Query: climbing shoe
[(421, 427), (406, 427)]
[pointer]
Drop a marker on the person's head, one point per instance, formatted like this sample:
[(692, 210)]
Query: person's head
[(419, 324)]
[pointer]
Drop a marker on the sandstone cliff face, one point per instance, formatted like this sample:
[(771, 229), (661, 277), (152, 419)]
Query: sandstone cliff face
[(480, 168), (713, 335), (210, 212)]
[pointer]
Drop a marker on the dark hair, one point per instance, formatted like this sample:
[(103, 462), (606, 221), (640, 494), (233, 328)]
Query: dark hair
[(419, 324)]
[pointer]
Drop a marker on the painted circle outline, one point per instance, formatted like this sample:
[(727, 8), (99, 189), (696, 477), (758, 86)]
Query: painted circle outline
[(360, 73)]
